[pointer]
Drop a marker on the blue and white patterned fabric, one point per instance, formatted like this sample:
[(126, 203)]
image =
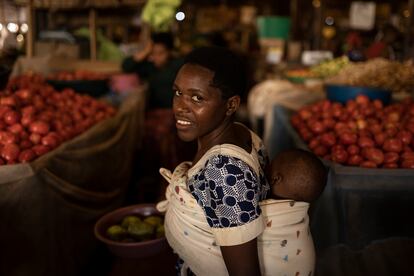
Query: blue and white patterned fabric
[(229, 191)]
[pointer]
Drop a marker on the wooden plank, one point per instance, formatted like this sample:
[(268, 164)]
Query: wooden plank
[(92, 32), (30, 32)]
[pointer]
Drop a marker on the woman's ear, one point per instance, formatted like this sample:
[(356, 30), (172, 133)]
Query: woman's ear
[(233, 104)]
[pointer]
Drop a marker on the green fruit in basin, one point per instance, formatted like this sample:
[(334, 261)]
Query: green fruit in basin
[(141, 231), (160, 231), (153, 220), (116, 232), (128, 220)]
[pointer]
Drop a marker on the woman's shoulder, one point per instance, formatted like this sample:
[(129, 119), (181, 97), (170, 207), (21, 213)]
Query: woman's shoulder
[(219, 165), (255, 143), (225, 156)]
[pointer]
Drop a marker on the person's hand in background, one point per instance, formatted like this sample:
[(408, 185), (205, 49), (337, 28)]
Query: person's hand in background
[(144, 53)]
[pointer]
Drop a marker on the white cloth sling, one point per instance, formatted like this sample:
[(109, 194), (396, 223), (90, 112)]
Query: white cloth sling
[(285, 245)]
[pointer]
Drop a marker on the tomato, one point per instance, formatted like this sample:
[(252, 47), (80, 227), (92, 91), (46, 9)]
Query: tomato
[(7, 137), (368, 111), (361, 124), (352, 125), (393, 117), (393, 144), (27, 155), (314, 143), (391, 131), (328, 139), (25, 144), (365, 142), (377, 104), (405, 136), (9, 101), (24, 94), (408, 164), (3, 110), (340, 127), (348, 138), (11, 117), (391, 157), (28, 110), (16, 129), (362, 100), (354, 160), (39, 127), (390, 165), (364, 133), (339, 156), (50, 140), (351, 105), (368, 164), (10, 152), (375, 128), (35, 138), (328, 123), (373, 154), (316, 127), (305, 133), (380, 138), (407, 156), (352, 149), (41, 149)]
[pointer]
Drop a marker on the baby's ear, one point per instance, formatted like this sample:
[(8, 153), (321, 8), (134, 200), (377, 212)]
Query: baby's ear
[(233, 104), (276, 179)]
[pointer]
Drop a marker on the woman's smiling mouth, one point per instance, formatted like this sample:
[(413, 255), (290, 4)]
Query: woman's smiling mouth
[(183, 122)]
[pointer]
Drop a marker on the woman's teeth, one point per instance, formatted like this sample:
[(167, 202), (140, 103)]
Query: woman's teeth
[(181, 122)]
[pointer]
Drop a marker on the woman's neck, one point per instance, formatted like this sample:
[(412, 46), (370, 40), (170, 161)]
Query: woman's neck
[(216, 137), (229, 133)]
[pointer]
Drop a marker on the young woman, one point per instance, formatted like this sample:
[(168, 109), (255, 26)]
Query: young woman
[(207, 93), (225, 181)]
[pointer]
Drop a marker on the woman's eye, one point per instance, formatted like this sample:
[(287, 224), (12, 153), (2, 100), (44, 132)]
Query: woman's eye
[(196, 98), (177, 93)]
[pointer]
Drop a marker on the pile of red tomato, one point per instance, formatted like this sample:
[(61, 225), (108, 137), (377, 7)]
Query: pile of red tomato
[(35, 118), (78, 75), (360, 133)]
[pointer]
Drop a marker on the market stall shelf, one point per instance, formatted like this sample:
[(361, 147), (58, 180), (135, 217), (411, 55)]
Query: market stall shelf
[(49, 207), (359, 205)]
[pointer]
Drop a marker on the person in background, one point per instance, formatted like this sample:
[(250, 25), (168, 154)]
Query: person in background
[(156, 65), (386, 44), (353, 46)]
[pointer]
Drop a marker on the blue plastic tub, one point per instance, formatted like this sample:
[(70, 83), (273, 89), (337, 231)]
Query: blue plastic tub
[(343, 93)]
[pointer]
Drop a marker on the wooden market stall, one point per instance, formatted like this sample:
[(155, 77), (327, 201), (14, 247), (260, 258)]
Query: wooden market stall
[(50, 205)]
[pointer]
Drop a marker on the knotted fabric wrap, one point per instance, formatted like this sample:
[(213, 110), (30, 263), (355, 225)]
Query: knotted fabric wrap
[(285, 245)]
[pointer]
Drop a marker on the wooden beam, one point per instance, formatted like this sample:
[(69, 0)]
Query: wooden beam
[(30, 32), (408, 41), (92, 33)]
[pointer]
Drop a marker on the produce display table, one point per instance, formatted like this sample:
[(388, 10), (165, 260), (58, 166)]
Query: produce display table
[(271, 92), (48, 207), (358, 205)]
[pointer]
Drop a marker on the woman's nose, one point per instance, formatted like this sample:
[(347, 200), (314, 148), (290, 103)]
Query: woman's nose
[(180, 104)]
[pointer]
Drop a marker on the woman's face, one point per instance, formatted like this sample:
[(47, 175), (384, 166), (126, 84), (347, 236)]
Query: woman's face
[(199, 109)]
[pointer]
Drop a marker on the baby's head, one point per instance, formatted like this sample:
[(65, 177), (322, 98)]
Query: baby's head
[(298, 175)]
